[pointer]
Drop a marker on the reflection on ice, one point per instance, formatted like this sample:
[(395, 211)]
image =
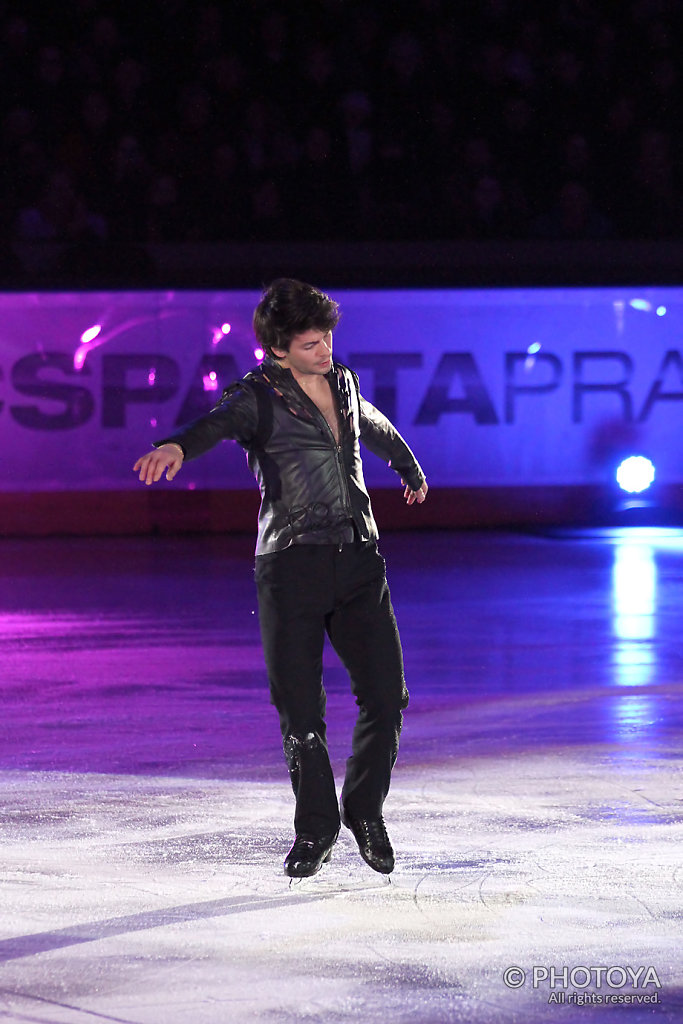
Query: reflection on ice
[(634, 579), (632, 714), (634, 603)]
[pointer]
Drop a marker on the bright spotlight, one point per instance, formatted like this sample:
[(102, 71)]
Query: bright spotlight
[(90, 334), (635, 474)]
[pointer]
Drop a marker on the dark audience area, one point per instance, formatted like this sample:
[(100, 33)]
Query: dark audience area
[(172, 121)]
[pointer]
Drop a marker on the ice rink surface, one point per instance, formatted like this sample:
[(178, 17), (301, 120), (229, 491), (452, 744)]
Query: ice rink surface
[(535, 808)]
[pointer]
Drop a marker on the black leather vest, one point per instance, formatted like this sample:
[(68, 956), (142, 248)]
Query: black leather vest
[(312, 488)]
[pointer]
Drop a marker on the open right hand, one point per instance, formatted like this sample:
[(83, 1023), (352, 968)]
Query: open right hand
[(168, 457)]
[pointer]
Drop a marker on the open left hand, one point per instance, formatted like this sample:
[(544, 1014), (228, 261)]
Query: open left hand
[(411, 496)]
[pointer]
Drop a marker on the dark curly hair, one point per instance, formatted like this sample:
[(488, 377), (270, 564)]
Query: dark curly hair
[(289, 307)]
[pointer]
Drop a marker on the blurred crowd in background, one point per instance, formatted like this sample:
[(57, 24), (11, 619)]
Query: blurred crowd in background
[(174, 121)]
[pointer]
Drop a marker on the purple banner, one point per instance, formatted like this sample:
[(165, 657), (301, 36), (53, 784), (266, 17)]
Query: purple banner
[(489, 387)]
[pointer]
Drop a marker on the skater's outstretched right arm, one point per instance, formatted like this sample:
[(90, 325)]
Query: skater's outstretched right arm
[(235, 417)]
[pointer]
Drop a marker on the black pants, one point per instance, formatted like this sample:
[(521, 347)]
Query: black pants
[(304, 592)]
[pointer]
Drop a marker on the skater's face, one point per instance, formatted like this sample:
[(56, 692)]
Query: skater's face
[(309, 354)]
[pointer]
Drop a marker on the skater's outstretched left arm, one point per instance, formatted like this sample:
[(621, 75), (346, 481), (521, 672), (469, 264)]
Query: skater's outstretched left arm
[(380, 436)]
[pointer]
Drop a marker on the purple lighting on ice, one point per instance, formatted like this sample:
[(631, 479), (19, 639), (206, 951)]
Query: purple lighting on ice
[(210, 381)]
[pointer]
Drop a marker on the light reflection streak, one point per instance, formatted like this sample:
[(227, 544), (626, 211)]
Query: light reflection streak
[(635, 648), (95, 336), (634, 589), (634, 607), (633, 715), (88, 341), (634, 603)]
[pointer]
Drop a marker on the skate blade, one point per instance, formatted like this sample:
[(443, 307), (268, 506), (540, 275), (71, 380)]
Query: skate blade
[(320, 883)]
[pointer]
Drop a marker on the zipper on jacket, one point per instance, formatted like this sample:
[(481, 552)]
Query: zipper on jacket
[(338, 448)]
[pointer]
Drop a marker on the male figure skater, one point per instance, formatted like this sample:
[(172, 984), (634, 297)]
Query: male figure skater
[(300, 417)]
